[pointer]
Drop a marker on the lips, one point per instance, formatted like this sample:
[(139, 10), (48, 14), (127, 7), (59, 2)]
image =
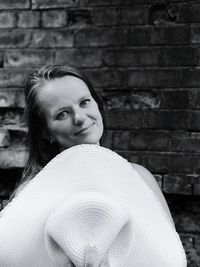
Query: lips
[(82, 130)]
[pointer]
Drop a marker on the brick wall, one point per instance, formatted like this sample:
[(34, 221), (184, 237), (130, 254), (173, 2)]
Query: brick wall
[(143, 57)]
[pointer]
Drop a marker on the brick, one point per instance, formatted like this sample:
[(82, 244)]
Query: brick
[(196, 189), (54, 19), (29, 58), (41, 4), (14, 39), (162, 13), (12, 77), (125, 2), (174, 99), (188, 240), (4, 138), (85, 57), (96, 3), (166, 162), (7, 20), (177, 184), (195, 120), (105, 77), (52, 39), (12, 119), (105, 16), (178, 203), (190, 77), (167, 119), (132, 57), (193, 257), (106, 3), (191, 203), (12, 98), (95, 37), (189, 13), (115, 100), (12, 158), (195, 34), (79, 18), (185, 142), (17, 137), (149, 140), (13, 137), (28, 19), (179, 56), (157, 35), (117, 119), (195, 98), (141, 140), (128, 100), (134, 15), (135, 157), (151, 78), (12, 4), (121, 140), (187, 222)]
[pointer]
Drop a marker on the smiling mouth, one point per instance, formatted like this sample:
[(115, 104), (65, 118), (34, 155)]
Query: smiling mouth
[(84, 130)]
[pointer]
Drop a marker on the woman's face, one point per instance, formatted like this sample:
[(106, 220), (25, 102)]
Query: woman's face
[(72, 115)]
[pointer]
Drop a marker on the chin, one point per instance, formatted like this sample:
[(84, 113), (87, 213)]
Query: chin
[(91, 139)]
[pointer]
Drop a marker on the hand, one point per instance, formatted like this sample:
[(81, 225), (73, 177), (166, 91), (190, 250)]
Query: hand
[(90, 259)]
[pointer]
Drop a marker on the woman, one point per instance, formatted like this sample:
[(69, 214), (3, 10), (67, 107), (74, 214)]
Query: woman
[(62, 111)]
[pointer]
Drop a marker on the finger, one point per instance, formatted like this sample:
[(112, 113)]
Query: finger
[(70, 264), (90, 256), (105, 262)]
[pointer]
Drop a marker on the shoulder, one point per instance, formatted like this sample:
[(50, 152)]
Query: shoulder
[(149, 179), (145, 175), (140, 169)]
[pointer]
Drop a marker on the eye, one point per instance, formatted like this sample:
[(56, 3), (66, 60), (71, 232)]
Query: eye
[(85, 103), (62, 115)]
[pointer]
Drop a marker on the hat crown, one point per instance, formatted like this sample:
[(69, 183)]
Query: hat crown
[(89, 218)]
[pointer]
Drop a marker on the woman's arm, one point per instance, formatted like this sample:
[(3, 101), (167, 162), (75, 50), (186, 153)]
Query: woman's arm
[(151, 182)]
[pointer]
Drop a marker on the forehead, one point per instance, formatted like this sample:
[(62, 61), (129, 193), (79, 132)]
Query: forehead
[(66, 89)]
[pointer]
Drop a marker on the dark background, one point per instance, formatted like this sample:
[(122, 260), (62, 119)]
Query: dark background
[(144, 60)]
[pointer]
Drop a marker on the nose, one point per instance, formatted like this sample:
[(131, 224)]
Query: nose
[(78, 117)]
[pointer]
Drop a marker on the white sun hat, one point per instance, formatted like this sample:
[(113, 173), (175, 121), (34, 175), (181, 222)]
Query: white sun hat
[(88, 195)]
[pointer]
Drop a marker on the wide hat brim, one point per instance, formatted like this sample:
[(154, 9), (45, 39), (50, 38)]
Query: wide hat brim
[(88, 194)]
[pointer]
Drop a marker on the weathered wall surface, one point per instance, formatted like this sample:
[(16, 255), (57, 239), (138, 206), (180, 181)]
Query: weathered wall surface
[(143, 57)]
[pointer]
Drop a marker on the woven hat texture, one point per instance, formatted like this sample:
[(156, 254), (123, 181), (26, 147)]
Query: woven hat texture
[(88, 195)]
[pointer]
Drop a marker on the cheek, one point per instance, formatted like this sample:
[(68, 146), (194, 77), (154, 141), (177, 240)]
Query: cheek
[(99, 121), (96, 111), (59, 128), (101, 126)]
